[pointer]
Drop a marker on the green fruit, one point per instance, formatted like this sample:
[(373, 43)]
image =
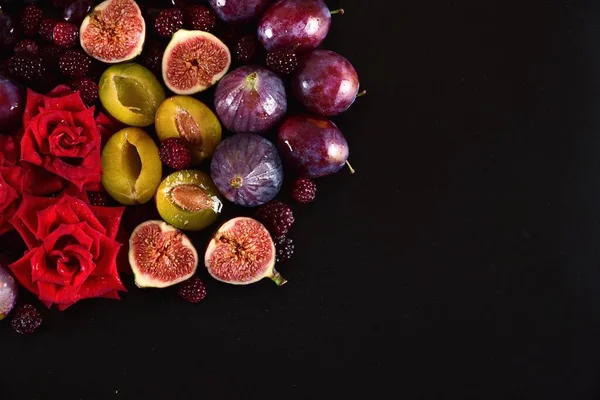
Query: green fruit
[(188, 200)]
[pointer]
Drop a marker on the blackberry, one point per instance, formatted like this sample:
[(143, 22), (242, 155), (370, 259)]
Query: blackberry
[(283, 62), (26, 319), (175, 153), (284, 247), (26, 67), (168, 22), (74, 63), (304, 191), (192, 290), (245, 49), (276, 216)]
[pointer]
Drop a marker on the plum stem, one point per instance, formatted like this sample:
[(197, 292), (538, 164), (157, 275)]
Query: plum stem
[(352, 170), (361, 94), (338, 11), (278, 279)]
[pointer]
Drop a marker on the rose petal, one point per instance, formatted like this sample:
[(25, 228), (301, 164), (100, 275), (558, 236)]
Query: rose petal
[(25, 219), (32, 105), (41, 272), (60, 91), (63, 101), (110, 218), (21, 269), (39, 182)]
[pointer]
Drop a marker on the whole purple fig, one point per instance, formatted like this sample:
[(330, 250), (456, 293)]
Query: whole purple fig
[(247, 169), (250, 99)]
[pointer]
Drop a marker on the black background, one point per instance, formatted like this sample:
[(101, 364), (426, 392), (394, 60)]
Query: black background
[(460, 260)]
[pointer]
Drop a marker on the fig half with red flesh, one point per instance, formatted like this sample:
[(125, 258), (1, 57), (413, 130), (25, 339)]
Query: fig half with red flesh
[(194, 61), (114, 31), (242, 252), (160, 255)]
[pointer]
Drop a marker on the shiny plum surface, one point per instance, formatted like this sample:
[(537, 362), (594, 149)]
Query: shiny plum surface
[(250, 99), (300, 24), (313, 146), (247, 170), (235, 11), (326, 83), (12, 104)]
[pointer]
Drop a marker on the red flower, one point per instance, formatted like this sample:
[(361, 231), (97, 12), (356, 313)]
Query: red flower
[(61, 136), (72, 249)]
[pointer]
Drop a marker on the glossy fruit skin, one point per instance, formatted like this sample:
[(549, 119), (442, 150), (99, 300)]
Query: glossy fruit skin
[(8, 292), (76, 11), (179, 217), (313, 146), (202, 136), (291, 23), (326, 83), (250, 99), (12, 104), (247, 169), (236, 11)]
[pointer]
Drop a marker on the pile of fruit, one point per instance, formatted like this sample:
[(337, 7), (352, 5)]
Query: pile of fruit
[(125, 125)]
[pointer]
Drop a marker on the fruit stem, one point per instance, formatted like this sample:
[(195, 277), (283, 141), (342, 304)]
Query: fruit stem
[(361, 94), (352, 171), (338, 11), (278, 279)]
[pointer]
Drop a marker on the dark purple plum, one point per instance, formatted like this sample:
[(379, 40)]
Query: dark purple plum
[(247, 170), (236, 11), (312, 146), (299, 24), (9, 32), (77, 10), (326, 83), (12, 104), (250, 99)]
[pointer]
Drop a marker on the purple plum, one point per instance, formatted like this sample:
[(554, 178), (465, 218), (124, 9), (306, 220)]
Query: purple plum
[(326, 83), (250, 99), (76, 11), (299, 24), (247, 170), (236, 11), (12, 104), (313, 146), (8, 292)]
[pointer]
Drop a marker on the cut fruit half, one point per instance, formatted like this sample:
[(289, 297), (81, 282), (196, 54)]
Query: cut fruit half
[(114, 31), (194, 61), (160, 255), (131, 94), (131, 167)]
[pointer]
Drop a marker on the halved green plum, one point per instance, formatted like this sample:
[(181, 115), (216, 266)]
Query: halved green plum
[(188, 200)]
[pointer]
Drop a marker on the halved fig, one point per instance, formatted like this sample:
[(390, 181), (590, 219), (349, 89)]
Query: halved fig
[(242, 252), (114, 31), (194, 61), (160, 255)]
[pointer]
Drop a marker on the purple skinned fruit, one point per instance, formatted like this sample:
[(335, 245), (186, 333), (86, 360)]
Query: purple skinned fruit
[(312, 146), (250, 99), (8, 292), (236, 11), (12, 104), (326, 83), (298, 24), (247, 169)]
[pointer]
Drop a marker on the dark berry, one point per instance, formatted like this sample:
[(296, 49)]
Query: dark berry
[(50, 56), (200, 18), (245, 49), (283, 62), (99, 199), (31, 18), (26, 319), (304, 191), (26, 46), (74, 63), (88, 90), (276, 216), (152, 58), (284, 247), (26, 67), (47, 29), (192, 290), (175, 153), (168, 22), (65, 35)]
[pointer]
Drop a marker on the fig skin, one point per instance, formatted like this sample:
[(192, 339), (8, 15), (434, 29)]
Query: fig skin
[(126, 38), (250, 99), (313, 146), (247, 169), (242, 252), (155, 235)]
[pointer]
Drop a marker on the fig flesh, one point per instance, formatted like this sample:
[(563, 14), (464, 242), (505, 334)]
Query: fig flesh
[(250, 99), (247, 169), (242, 252), (114, 31), (194, 61), (160, 255)]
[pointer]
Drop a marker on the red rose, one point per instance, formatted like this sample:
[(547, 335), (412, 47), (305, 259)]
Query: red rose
[(61, 136), (17, 179), (72, 249)]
